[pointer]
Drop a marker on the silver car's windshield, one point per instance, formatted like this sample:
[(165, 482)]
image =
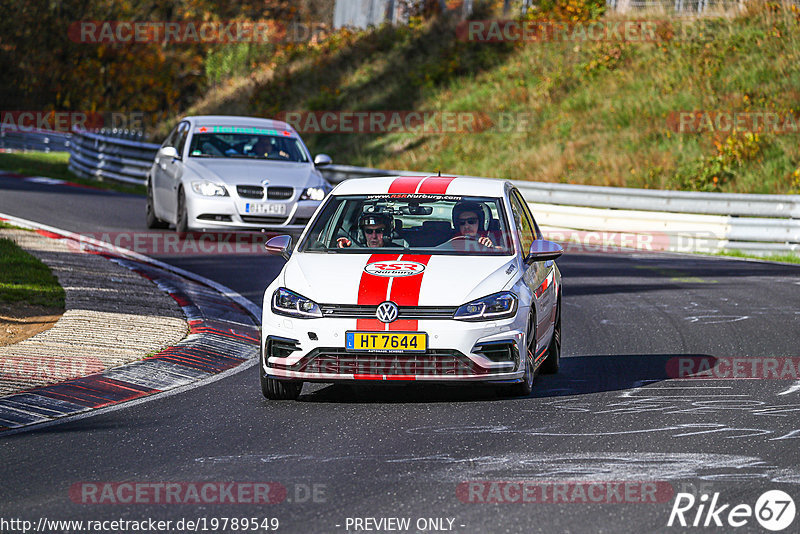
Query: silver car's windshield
[(252, 143), (416, 223)]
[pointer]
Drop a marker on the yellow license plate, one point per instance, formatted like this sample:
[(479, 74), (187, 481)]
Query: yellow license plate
[(387, 341)]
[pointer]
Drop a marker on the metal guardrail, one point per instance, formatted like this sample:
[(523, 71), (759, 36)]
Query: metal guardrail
[(105, 157), (40, 141), (708, 222)]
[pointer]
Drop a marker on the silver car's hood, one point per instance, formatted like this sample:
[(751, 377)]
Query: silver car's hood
[(240, 171)]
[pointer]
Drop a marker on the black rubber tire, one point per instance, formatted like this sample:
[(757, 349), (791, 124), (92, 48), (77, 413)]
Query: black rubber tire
[(525, 388), (182, 218), (153, 222), (553, 360), (275, 389)]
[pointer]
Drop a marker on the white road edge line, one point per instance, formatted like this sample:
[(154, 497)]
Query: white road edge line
[(252, 308)]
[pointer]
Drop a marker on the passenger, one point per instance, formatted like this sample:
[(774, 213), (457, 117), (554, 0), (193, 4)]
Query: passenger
[(469, 220), (376, 228)]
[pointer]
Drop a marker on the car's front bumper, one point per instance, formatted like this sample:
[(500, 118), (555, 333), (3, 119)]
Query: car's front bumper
[(457, 351), (230, 213)]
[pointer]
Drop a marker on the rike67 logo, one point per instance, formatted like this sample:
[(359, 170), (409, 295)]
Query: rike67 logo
[(774, 510)]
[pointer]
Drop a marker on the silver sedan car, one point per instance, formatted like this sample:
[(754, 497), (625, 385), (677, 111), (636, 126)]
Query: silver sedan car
[(220, 172)]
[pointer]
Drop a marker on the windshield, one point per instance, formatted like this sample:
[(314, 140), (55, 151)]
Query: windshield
[(252, 143), (415, 223)]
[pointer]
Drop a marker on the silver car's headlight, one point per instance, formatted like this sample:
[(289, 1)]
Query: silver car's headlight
[(285, 302), (314, 193), (209, 189), (497, 306)]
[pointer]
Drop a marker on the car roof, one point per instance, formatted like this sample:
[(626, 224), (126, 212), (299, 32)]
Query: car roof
[(450, 185), (232, 120)]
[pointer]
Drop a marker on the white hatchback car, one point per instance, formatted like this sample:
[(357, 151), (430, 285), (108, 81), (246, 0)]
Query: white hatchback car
[(234, 173), (414, 278)]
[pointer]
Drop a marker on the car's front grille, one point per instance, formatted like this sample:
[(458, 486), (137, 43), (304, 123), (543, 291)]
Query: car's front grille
[(262, 220), (431, 363), (250, 191), (362, 311), (277, 192)]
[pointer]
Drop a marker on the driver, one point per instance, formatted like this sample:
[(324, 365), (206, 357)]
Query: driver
[(263, 149), (469, 220), (376, 228)]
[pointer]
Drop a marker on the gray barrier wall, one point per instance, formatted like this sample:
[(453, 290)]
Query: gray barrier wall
[(679, 220)]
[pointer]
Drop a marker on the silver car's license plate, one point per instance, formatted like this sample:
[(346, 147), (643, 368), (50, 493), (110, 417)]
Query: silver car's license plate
[(269, 209)]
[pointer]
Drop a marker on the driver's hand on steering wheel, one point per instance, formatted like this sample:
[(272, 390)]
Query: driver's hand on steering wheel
[(343, 242), (486, 242)]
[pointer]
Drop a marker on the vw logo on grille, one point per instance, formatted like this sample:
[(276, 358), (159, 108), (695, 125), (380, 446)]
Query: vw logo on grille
[(387, 312)]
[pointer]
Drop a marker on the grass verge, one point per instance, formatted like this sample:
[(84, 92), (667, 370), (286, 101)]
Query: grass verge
[(55, 165), (24, 278), (784, 258)]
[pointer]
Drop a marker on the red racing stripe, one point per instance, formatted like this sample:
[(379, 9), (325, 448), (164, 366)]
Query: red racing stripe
[(372, 291), (435, 185), (405, 292), (405, 184)]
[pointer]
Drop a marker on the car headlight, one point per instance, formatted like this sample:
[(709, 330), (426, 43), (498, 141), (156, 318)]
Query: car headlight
[(314, 193), (285, 302), (497, 306), (209, 189)]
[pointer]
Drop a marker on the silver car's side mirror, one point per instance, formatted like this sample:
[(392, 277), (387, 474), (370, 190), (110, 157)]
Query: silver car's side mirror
[(169, 152), (543, 250), (280, 245), (322, 159)]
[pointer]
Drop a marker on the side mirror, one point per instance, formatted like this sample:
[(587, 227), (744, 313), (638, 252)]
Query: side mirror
[(169, 152), (322, 160), (543, 250), (280, 245)]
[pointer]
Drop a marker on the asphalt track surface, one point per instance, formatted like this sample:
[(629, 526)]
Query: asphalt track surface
[(612, 415)]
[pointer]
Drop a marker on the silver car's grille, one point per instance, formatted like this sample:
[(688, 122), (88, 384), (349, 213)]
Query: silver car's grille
[(250, 191), (363, 311), (277, 192)]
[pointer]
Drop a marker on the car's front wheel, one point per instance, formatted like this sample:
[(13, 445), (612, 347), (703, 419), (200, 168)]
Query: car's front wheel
[(553, 360), (153, 222), (275, 389), (525, 386), (182, 220)]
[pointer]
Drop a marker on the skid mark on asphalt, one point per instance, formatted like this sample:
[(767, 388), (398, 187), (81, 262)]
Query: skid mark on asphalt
[(591, 466)]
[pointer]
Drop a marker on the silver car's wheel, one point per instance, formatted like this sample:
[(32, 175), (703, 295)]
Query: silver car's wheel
[(153, 222), (182, 222)]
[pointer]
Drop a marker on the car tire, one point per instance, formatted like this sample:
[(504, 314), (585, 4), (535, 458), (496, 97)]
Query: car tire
[(525, 387), (275, 389), (182, 218), (553, 360), (153, 222)]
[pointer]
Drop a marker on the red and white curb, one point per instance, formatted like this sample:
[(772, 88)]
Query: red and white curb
[(224, 338)]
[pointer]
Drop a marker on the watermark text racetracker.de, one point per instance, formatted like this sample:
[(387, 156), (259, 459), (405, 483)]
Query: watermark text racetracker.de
[(173, 244), (734, 368), (184, 524), (408, 121), (195, 31), (564, 492), (68, 121), (194, 493)]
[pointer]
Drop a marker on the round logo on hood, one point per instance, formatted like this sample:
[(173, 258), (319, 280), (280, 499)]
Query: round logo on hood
[(394, 268)]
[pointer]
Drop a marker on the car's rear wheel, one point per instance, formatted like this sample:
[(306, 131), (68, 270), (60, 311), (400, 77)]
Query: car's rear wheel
[(275, 389), (182, 221), (525, 387), (553, 360), (153, 222)]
